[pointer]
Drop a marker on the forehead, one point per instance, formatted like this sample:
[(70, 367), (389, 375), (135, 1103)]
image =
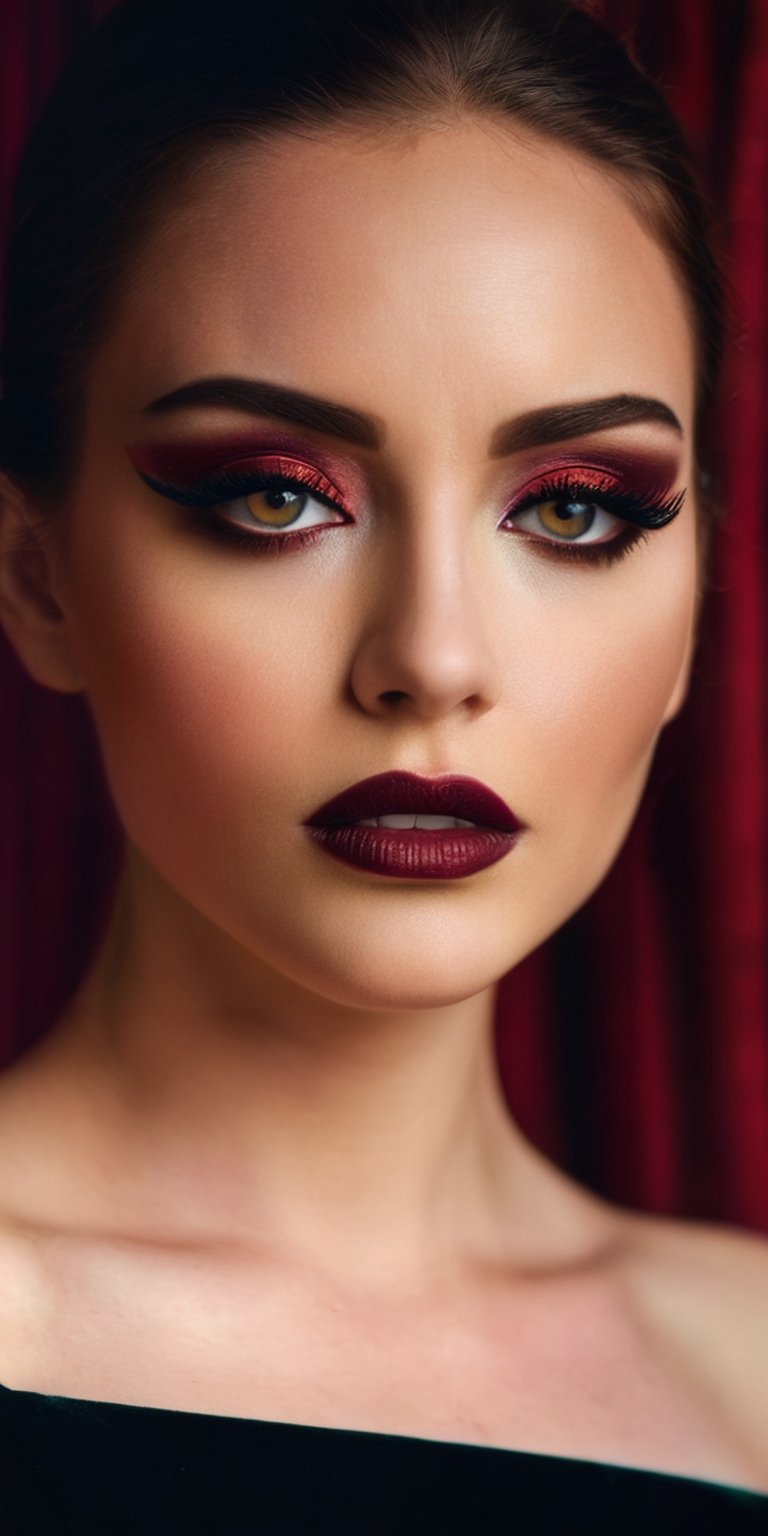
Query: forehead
[(446, 276)]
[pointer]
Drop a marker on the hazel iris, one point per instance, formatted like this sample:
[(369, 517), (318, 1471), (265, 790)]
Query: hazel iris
[(567, 519), (276, 508)]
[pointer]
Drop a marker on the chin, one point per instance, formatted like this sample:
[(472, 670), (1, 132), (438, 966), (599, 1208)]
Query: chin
[(420, 969)]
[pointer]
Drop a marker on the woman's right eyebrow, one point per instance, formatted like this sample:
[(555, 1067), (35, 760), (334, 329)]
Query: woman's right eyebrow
[(265, 399), (534, 429)]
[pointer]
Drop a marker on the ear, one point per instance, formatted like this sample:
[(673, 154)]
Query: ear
[(30, 612)]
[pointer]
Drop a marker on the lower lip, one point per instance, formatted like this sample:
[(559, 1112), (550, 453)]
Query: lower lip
[(414, 854)]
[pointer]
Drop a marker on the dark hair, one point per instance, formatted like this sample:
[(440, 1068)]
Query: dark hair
[(161, 84)]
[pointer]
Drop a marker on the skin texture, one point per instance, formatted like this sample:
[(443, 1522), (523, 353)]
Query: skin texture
[(283, 1064), (178, 645)]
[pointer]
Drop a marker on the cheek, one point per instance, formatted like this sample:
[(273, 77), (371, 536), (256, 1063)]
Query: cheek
[(608, 705), (200, 688), (608, 670)]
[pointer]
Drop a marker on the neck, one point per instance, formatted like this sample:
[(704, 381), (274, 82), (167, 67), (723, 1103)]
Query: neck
[(259, 1112)]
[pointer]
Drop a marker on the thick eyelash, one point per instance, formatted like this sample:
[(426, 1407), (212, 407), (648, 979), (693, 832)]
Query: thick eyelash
[(201, 497), (646, 512), (228, 485)]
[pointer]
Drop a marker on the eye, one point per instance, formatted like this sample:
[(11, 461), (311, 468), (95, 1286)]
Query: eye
[(595, 521), (277, 507), (265, 506), (567, 519)]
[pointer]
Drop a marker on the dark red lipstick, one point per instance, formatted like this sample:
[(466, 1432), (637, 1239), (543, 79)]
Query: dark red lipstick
[(416, 852)]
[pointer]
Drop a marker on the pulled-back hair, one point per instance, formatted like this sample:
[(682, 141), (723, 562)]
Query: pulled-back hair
[(161, 85)]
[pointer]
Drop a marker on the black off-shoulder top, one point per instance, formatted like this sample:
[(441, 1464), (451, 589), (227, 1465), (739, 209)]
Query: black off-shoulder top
[(109, 1469)]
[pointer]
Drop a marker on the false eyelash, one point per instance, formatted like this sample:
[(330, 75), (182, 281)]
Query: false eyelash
[(229, 485), (202, 496), (646, 512), (631, 506)]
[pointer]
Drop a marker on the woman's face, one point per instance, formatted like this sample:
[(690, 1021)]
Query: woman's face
[(441, 284)]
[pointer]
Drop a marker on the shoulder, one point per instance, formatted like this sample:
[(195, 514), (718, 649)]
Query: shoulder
[(717, 1270), (21, 1310), (701, 1289), (31, 1162)]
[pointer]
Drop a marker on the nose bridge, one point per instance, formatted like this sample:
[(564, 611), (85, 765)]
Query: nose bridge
[(434, 571), (425, 644)]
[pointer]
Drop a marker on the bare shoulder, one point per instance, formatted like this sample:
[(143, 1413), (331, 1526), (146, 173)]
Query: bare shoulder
[(21, 1299), (701, 1288), (30, 1159), (713, 1268)]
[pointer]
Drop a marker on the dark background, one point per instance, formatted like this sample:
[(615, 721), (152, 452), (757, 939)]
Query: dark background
[(634, 1045)]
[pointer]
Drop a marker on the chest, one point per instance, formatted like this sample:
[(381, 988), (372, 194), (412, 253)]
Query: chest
[(568, 1369)]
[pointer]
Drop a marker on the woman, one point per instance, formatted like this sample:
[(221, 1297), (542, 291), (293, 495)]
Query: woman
[(356, 374)]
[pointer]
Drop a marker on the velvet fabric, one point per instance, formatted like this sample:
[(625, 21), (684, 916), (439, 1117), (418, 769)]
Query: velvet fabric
[(97, 1468), (634, 1045)]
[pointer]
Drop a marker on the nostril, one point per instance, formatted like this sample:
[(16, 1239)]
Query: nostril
[(393, 695)]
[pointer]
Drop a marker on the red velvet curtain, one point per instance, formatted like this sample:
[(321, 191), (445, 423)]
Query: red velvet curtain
[(634, 1045)]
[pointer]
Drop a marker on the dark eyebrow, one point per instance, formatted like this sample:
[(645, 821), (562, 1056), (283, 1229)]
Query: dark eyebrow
[(555, 423), (534, 429), (264, 399)]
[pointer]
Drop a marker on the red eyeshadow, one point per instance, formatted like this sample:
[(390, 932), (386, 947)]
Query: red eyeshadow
[(182, 461), (648, 474)]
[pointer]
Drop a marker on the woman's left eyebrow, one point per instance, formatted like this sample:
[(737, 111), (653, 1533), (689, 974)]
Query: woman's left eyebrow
[(556, 423), (534, 429)]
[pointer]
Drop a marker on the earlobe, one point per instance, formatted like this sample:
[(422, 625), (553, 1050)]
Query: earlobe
[(683, 680), (30, 614), (682, 683), (677, 700)]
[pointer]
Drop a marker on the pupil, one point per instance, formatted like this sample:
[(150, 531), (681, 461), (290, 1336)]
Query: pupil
[(566, 511), (277, 499)]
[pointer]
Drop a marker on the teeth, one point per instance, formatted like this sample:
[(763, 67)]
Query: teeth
[(411, 819), (434, 823)]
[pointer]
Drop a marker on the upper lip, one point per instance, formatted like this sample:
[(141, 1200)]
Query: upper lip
[(384, 794)]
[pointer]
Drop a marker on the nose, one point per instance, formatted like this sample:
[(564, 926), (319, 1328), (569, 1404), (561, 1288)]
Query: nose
[(425, 649)]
